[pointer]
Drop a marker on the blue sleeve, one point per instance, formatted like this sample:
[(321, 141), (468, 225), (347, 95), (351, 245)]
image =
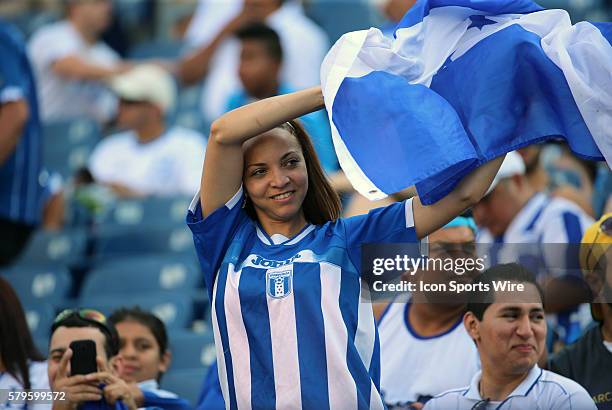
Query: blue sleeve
[(211, 396), (167, 403), (11, 76), (390, 224), (317, 126), (212, 235)]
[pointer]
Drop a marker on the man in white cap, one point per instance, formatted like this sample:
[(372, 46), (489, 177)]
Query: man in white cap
[(148, 158), (533, 229)]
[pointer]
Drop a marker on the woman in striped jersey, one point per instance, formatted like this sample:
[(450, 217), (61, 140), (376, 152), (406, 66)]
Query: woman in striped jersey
[(281, 267)]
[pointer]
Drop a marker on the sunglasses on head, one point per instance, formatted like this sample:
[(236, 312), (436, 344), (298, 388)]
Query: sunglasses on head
[(85, 314)]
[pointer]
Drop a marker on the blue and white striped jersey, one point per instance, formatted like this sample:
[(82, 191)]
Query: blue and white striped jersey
[(20, 190), (290, 329)]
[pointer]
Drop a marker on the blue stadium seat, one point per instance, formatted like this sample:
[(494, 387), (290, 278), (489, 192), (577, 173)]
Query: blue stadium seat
[(39, 285), (175, 309), (192, 350), (120, 241), (186, 383), (40, 318), (337, 17), (143, 274), (147, 210), (68, 144), (66, 247), (156, 49)]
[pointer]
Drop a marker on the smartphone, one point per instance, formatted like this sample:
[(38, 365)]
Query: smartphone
[(83, 360)]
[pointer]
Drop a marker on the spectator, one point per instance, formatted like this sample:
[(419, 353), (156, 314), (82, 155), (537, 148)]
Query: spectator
[(515, 213), (100, 391), (589, 360), (71, 63), (509, 330), (144, 357), (20, 149), (416, 361), (149, 158), (305, 45), (393, 11), (261, 59), (22, 367)]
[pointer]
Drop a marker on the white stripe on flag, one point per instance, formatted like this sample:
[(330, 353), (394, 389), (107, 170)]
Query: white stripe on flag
[(283, 333), (340, 383), (238, 341)]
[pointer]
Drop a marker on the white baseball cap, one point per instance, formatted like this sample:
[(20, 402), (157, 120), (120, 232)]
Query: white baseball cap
[(146, 82), (513, 165)]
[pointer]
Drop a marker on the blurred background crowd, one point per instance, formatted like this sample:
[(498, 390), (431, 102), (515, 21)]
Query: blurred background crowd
[(105, 107)]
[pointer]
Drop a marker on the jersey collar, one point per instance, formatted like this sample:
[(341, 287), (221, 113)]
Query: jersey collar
[(279, 239), (523, 389)]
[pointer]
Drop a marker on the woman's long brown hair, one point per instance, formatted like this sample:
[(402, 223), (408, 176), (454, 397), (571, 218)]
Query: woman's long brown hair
[(321, 203)]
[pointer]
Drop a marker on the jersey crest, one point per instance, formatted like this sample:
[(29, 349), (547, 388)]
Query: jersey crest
[(279, 281)]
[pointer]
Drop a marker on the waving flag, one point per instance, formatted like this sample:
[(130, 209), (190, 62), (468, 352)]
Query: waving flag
[(463, 82)]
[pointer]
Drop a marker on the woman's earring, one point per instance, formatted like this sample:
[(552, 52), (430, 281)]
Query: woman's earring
[(244, 201)]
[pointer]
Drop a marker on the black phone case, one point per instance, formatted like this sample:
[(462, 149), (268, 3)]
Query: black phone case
[(83, 360)]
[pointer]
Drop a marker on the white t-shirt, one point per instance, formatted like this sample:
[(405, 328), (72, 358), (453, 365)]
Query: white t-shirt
[(62, 97), (168, 165), (38, 380), (304, 46), (414, 366), (541, 389)]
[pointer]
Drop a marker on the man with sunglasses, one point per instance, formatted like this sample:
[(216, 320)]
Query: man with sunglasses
[(520, 224), (417, 361), (148, 157), (589, 360), (100, 390), (509, 330)]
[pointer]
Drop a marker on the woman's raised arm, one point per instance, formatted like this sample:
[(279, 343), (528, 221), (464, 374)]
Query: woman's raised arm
[(223, 164), (469, 191)]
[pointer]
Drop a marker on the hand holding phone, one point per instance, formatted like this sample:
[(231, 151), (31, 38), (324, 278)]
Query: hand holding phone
[(83, 360)]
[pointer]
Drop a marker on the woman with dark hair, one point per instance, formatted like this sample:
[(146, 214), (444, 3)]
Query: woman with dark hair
[(281, 267), (22, 367), (144, 357)]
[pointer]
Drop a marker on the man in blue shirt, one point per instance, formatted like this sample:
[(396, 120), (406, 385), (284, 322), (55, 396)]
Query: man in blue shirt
[(20, 145), (261, 59)]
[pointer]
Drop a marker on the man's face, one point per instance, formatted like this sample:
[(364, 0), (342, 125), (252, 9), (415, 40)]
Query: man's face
[(258, 70), (96, 14), (511, 336), (134, 114), (61, 339), (496, 210)]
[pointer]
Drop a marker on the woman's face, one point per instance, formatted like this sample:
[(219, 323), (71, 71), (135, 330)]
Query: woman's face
[(275, 177), (139, 356)]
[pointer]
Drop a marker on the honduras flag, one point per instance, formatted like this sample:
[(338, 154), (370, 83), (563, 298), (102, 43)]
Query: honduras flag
[(463, 82)]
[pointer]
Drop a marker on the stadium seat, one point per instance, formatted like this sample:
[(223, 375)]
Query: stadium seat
[(143, 274), (148, 210), (66, 247), (120, 241), (68, 145), (192, 350), (186, 383), (156, 49), (175, 309), (337, 17), (39, 285), (40, 318)]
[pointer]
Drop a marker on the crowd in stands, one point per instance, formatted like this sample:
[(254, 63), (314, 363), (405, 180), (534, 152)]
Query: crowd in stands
[(101, 154)]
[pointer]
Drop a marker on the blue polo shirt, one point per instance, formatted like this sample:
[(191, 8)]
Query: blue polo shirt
[(19, 188)]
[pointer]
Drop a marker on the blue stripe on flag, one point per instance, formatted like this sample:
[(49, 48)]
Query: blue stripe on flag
[(310, 336), (254, 308), (421, 9), (349, 307), (605, 29), (393, 112), (517, 98), (221, 321)]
